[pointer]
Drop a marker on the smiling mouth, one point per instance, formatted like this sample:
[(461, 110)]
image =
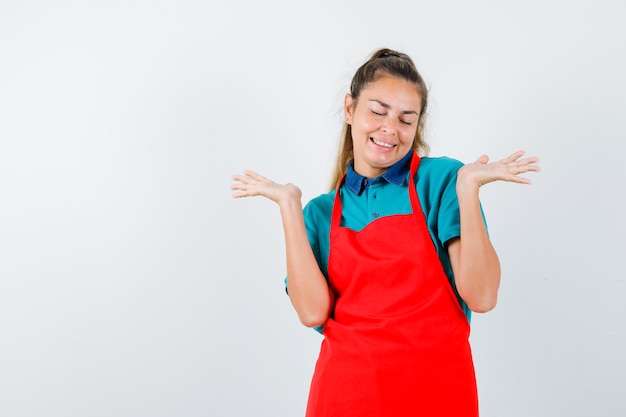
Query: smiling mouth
[(383, 144)]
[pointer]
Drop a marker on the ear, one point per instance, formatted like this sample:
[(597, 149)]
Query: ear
[(348, 108)]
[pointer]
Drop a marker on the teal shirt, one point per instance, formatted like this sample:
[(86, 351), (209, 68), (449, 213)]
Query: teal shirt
[(365, 200)]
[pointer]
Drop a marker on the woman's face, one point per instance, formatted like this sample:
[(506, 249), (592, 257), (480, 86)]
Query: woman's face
[(383, 123)]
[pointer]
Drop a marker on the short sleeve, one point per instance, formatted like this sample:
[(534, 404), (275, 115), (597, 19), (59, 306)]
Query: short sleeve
[(448, 218)]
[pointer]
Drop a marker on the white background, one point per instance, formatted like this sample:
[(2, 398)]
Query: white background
[(132, 284)]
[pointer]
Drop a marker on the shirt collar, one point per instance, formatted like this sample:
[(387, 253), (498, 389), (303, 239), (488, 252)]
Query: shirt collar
[(395, 174)]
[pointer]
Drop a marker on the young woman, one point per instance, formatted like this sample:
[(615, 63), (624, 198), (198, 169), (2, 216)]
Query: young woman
[(390, 264)]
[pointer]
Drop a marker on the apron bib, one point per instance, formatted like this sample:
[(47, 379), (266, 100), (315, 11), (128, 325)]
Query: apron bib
[(397, 342)]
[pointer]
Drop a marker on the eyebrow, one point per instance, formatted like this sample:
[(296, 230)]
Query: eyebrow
[(387, 106)]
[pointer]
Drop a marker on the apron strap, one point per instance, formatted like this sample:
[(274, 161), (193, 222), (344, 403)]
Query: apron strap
[(415, 204)]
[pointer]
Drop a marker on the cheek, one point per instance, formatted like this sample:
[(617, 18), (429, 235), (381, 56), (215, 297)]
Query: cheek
[(368, 124), (408, 136)]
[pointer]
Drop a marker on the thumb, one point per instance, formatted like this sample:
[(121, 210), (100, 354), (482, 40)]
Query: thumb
[(483, 159)]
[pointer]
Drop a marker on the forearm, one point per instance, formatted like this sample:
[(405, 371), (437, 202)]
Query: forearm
[(477, 274), (308, 289)]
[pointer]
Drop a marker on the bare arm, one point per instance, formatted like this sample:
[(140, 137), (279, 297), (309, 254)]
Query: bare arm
[(474, 260), (309, 292)]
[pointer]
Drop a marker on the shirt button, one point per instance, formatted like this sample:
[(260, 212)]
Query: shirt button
[(375, 214)]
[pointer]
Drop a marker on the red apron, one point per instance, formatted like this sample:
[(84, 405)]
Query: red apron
[(397, 342)]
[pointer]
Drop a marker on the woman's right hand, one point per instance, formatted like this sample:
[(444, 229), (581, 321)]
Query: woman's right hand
[(251, 184), (309, 292)]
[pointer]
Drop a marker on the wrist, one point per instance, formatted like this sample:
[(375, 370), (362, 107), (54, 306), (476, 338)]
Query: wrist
[(290, 203), (466, 187)]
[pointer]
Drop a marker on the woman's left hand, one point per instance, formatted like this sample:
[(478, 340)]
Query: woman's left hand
[(481, 172), (474, 261)]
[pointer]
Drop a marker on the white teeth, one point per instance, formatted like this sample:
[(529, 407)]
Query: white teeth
[(383, 144)]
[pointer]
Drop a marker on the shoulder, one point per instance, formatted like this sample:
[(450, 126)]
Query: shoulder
[(317, 215), (436, 178), (320, 206), (438, 170), (440, 164)]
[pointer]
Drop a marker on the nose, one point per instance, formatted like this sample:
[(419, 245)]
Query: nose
[(389, 126)]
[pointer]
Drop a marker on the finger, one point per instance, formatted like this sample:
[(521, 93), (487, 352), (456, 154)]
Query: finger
[(524, 160), (529, 161), (245, 178), (529, 168), (242, 190), (516, 179), (521, 169), (241, 178), (254, 175), (513, 157), (526, 165), (241, 195), (521, 180), (238, 186)]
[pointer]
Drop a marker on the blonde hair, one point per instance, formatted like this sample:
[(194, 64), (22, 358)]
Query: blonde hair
[(382, 62)]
